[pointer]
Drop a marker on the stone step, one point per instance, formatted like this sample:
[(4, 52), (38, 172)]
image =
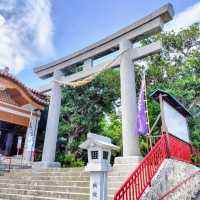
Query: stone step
[(116, 178), (70, 188), (48, 173), (76, 173), (79, 169), (51, 178), (49, 194), (114, 184), (62, 178), (57, 183), (47, 182), (6, 196), (53, 188), (110, 197), (119, 173), (128, 160), (124, 168)]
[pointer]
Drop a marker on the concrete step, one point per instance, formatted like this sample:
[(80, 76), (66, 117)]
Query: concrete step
[(49, 194), (51, 178), (56, 183), (59, 188), (49, 170), (119, 173), (32, 173), (124, 168), (128, 160), (61, 178), (6, 196), (116, 178), (114, 185), (46, 182)]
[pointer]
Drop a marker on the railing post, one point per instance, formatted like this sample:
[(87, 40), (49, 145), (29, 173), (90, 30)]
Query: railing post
[(164, 127), (9, 167)]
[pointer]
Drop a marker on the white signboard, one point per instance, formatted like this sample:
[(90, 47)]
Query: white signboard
[(176, 123), (19, 142), (30, 140)]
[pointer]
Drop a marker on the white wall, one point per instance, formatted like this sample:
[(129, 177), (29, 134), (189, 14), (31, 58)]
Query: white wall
[(176, 123)]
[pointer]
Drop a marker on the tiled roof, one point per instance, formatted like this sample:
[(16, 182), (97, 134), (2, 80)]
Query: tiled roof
[(5, 97), (34, 94), (172, 101)]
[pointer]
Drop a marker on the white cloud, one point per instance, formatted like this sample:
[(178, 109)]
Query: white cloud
[(186, 18), (26, 32)]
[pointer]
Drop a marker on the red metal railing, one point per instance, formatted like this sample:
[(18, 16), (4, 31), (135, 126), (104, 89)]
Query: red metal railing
[(140, 179), (179, 150)]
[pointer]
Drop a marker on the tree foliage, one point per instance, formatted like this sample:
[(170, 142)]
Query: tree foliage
[(82, 110), (177, 70)]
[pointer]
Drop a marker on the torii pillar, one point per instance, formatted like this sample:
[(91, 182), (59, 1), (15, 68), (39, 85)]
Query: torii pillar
[(128, 101), (49, 149)]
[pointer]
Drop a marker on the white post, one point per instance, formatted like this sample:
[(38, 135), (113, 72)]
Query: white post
[(31, 135), (9, 142), (98, 185), (128, 102), (51, 134)]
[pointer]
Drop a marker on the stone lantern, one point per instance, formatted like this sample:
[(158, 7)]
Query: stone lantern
[(99, 154)]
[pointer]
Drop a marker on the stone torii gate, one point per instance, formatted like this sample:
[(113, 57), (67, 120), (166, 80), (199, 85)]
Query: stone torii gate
[(121, 41)]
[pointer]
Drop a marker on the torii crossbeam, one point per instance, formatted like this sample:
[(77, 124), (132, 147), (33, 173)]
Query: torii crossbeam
[(121, 41)]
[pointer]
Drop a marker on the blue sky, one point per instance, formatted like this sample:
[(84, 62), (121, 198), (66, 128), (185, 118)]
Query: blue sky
[(64, 26)]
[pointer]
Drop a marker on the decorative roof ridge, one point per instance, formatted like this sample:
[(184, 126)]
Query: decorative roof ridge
[(34, 94)]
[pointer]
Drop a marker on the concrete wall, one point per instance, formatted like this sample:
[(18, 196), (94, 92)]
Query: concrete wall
[(170, 174)]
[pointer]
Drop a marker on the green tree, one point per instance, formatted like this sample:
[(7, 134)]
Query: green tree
[(177, 70), (82, 110)]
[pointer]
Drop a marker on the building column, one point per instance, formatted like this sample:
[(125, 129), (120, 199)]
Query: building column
[(49, 149), (128, 102), (9, 143), (31, 135)]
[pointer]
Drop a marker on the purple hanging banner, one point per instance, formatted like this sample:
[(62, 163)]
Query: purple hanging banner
[(142, 122)]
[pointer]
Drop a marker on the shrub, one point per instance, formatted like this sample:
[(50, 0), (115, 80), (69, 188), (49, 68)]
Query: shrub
[(69, 160)]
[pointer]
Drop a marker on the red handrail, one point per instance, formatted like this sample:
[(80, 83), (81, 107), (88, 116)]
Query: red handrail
[(179, 149), (140, 179)]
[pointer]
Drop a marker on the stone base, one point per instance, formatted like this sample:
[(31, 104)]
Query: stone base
[(128, 163), (123, 167), (128, 160), (45, 164)]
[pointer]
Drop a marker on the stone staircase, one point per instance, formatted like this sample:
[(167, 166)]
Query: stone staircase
[(121, 170), (48, 184), (55, 184), (73, 183)]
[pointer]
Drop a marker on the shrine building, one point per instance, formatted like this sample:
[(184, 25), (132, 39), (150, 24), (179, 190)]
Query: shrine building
[(20, 111)]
